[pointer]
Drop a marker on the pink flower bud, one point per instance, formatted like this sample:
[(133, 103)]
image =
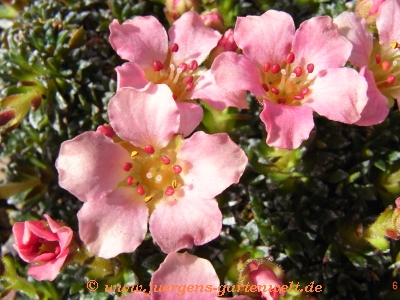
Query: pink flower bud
[(175, 8), (368, 10), (226, 43), (214, 21)]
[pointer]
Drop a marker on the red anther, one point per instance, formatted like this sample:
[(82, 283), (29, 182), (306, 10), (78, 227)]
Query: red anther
[(275, 69), (165, 159), (158, 66), (275, 91), (281, 101), (149, 149), (6, 116), (106, 130), (127, 166), (385, 66), (290, 58), (189, 86), (193, 65), (298, 97), (174, 97), (189, 79), (310, 68), (183, 67), (390, 79), (174, 47), (267, 66), (57, 250), (377, 58), (177, 169), (129, 180), (298, 71), (169, 191), (304, 91), (265, 87), (140, 190)]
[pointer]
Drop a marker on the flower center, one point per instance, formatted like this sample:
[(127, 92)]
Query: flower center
[(154, 173), (285, 83), (181, 79), (385, 64)]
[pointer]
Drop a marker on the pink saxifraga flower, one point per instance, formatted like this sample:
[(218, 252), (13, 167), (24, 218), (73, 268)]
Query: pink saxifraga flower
[(292, 73), (176, 274), (152, 58), (43, 244), (377, 60), (147, 168)]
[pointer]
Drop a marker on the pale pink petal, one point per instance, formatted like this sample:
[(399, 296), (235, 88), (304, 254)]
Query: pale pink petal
[(318, 42), (146, 117), (267, 38), (183, 222), (64, 233), (191, 116), (48, 270), (377, 108), (184, 270), (90, 165), (397, 202), (141, 40), (210, 163), (207, 90), (234, 72), (130, 75), (340, 95), (355, 30), (388, 23), (287, 126), (375, 6), (195, 40), (114, 224)]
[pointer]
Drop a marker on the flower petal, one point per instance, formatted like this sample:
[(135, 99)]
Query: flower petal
[(340, 95), (267, 38), (287, 126), (210, 163), (191, 116), (114, 224), (388, 23), (141, 40), (355, 30), (146, 117), (264, 276), (234, 72), (183, 270), (183, 222), (318, 41), (195, 40), (90, 165), (64, 233), (48, 270), (207, 90), (130, 75), (377, 108)]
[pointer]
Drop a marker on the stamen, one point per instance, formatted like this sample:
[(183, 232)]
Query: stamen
[(165, 160), (298, 71), (140, 190), (275, 91), (158, 178), (189, 86), (149, 175), (169, 191), (385, 66), (106, 130), (174, 184), (57, 250), (395, 45), (265, 87), (134, 154), (290, 58), (127, 166), (310, 68), (177, 169), (281, 101), (193, 65), (298, 97), (267, 66), (149, 149), (174, 47), (129, 180), (148, 199), (158, 66), (174, 97), (275, 69), (390, 79), (283, 71), (304, 91), (183, 67), (378, 59), (189, 79)]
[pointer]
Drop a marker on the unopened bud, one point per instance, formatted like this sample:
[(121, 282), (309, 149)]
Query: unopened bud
[(214, 21), (175, 8), (226, 43), (368, 9)]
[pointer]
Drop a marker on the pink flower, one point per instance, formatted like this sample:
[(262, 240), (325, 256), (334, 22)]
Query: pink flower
[(377, 61), (44, 244), (181, 271), (144, 42), (264, 276), (147, 168), (292, 73)]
